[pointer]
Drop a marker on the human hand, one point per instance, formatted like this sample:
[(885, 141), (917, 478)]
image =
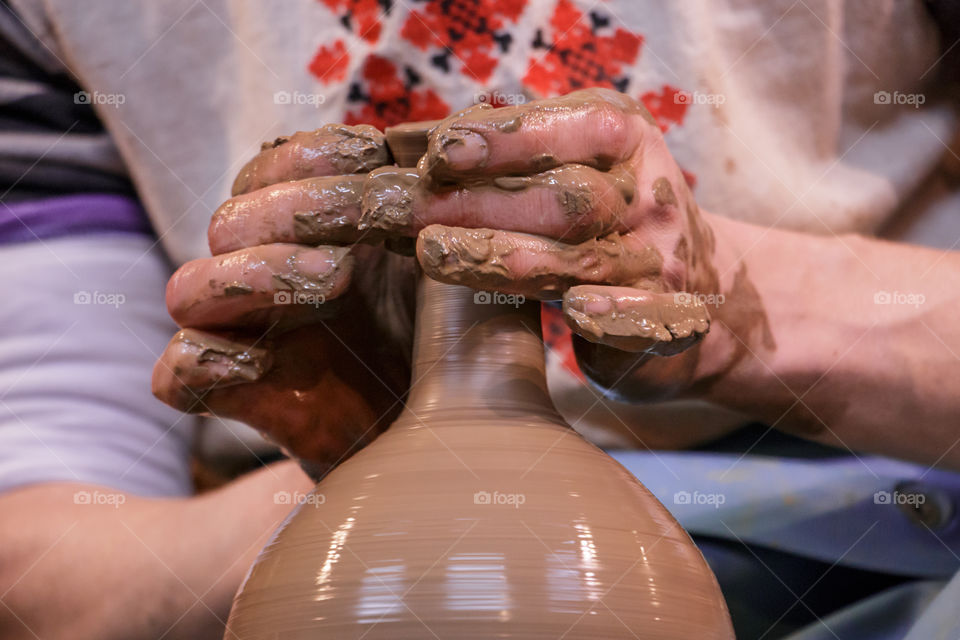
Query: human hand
[(306, 341), (574, 198)]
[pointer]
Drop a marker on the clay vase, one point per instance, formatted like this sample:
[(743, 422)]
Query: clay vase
[(479, 514)]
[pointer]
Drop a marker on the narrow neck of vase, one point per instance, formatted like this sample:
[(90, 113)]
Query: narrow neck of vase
[(472, 353)]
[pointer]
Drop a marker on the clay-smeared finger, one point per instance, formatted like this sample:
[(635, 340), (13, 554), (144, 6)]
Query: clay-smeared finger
[(259, 286), (633, 320), (534, 266), (332, 149), (196, 363), (310, 211), (571, 203), (596, 127)]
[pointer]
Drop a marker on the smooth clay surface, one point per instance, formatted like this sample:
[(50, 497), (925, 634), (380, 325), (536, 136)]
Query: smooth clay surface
[(479, 514)]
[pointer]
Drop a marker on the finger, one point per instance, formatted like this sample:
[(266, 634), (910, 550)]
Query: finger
[(196, 363), (571, 203), (332, 149), (252, 381), (633, 320), (595, 127), (530, 265), (309, 211), (259, 286)]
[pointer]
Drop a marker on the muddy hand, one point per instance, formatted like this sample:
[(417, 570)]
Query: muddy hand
[(590, 208), (283, 330), (574, 198)]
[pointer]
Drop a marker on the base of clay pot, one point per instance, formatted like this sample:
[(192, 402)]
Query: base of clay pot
[(519, 529)]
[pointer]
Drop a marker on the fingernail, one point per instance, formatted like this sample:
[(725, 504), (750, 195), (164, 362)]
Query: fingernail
[(320, 264), (591, 303), (220, 362), (463, 150)]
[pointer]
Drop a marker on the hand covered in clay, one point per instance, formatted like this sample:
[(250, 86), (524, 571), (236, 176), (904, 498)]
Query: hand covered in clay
[(309, 344), (574, 198)]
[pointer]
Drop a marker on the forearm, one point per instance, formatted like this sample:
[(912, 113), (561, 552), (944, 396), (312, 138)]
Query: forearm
[(846, 340), (142, 569)]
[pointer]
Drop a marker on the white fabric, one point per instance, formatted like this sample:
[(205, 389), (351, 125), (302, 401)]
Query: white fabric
[(798, 140)]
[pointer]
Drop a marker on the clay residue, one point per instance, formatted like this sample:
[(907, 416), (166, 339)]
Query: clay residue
[(478, 125), (329, 222), (323, 283), (533, 265), (238, 363), (237, 289), (408, 142), (276, 142), (576, 187), (355, 149), (659, 323), (663, 192), (331, 148), (447, 253), (387, 201)]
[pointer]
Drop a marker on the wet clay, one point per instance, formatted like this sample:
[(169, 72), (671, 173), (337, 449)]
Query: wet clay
[(329, 222), (392, 195), (237, 289), (479, 514), (660, 323), (295, 280), (331, 149), (408, 141), (466, 127), (234, 365), (575, 186), (493, 260), (387, 201), (663, 192)]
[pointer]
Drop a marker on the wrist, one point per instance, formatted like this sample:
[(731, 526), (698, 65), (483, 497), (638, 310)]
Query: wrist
[(777, 321), (737, 314)]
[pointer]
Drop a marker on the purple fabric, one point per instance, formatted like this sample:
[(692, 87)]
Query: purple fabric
[(71, 215)]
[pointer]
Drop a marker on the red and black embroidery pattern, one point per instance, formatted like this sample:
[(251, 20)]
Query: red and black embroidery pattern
[(469, 34), (329, 64), (387, 98), (362, 17), (667, 106), (575, 51), (580, 53)]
